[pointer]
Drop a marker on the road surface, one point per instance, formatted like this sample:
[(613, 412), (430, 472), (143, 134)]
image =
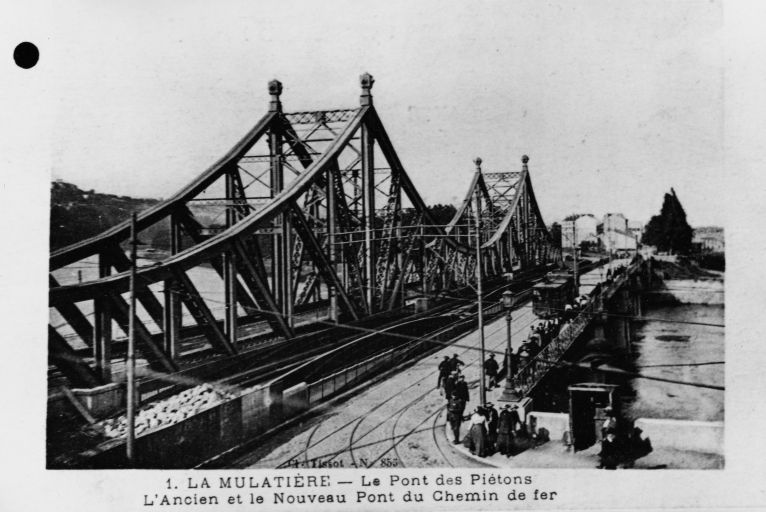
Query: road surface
[(393, 421)]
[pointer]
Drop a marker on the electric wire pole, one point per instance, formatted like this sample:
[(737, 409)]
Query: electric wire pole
[(575, 268), (131, 357), (479, 293)]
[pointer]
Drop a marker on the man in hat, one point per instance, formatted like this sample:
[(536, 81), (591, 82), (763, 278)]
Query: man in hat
[(556, 326), (522, 355), (455, 409), (610, 422), (515, 419), (449, 384), (492, 420), (490, 371), (455, 363), (610, 451), (461, 388), (505, 431), (443, 372), (533, 346)]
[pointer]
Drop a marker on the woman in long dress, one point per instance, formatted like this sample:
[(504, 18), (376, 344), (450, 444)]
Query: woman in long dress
[(504, 431), (478, 433)]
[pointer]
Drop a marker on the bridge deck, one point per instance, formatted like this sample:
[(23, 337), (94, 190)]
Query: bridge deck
[(394, 420), (537, 368), (397, 419)]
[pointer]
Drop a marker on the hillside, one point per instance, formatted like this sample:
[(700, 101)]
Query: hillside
[(78, 214)]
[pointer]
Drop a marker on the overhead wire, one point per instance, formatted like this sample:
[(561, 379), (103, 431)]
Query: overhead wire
[(671, 365), (619, 371), (330, 324)]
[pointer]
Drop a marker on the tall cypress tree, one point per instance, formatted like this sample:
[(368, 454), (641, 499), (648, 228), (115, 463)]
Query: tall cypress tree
[(669, 231)]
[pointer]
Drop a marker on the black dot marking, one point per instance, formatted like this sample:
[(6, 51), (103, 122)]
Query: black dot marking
[(26, 55)]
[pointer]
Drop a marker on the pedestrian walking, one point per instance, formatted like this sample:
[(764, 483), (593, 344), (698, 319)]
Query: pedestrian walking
[(505, 431), (449, 384), (444, 369), (461, 388), (610, 422), (515, 419), (523, 354), (455, 409), (490, 372), (477, 435), (609, 456), (492, 420), (455, 363)]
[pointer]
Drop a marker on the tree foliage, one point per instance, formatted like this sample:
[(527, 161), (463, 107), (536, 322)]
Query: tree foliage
[(669, 231), (441, 213), (78, 214)]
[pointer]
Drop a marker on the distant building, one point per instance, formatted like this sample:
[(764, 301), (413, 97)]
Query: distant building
[(636, 228), (615, 222), (615, 235), (585, 226), (709, 239)]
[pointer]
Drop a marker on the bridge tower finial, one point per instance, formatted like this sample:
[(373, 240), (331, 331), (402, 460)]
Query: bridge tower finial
[(366, 80), (275, 90), (477, 161), (524, 160)]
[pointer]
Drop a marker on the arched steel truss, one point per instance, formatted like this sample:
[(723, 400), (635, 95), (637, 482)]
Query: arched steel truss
[(310, 211)]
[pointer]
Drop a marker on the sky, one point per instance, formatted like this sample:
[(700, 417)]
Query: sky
[(614, 102)]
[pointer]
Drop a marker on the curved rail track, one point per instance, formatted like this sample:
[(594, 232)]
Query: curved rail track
[(366, 428)]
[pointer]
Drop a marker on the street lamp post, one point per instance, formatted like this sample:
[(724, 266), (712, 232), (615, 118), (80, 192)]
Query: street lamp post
[(509, 394)]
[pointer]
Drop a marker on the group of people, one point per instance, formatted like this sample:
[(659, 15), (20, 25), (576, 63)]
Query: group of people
[(491, 432), (540, 334), (614, 272), (451, 380), (572, 309), (621, 444)]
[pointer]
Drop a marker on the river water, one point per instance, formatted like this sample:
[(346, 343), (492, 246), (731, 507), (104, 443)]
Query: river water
[(665, 341), (670, 344)]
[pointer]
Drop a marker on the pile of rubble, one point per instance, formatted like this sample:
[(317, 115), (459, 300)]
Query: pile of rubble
[(167, 412)]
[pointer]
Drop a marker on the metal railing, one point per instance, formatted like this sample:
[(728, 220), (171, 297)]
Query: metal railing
[(537, 367)]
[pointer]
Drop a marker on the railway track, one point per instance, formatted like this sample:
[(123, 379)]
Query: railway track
[(288, 355)]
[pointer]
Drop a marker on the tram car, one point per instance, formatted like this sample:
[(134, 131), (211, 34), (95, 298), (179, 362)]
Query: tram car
[(550, 295)]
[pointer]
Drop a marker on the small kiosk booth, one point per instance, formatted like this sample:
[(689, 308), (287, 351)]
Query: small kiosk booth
[(587, 404)]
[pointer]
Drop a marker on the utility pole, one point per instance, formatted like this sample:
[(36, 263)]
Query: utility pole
[(131, 358), (576, 276), (479, 278)]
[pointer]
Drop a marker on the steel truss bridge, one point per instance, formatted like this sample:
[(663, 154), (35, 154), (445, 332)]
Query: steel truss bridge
[(310, 213)]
